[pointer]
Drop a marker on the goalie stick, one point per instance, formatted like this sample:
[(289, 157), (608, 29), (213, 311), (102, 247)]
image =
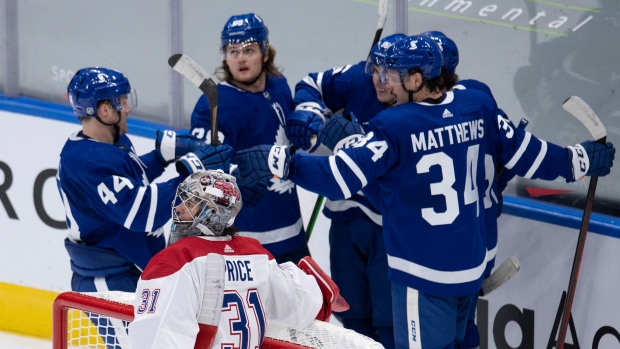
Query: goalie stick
[(502, 274), (212, 300), (582, 111), (383, 7), (194, 73)]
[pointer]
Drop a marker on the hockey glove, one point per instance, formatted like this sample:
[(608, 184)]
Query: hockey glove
[(301, 125), (337, 129), (591, 159), (332, 301), (171, 146), (205, 157), (263, 162), (250, 193)]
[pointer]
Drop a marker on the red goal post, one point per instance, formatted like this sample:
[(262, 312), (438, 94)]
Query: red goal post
[(90, 320)]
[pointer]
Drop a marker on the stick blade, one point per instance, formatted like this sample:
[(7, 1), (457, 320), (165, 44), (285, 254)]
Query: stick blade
[(188, 68), (582, 111), (502, 274)]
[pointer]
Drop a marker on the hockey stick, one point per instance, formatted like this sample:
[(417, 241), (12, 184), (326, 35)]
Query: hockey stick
[(502, 274), (194, 73), (510, 266), (582, 111), (383, 7), (315, 214)]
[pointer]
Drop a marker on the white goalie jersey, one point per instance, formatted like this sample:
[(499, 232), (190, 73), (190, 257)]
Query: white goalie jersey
[(179, 295)]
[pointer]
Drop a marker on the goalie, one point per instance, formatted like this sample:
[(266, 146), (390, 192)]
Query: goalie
[(210, 287)]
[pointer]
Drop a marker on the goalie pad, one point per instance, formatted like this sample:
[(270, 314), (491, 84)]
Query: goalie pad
[(332, 301)]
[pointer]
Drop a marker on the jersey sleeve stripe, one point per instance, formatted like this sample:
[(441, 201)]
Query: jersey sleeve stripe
[(134, 208), (308, 80), (539, 159), (353, 166), (520, 151), (439, 276), (341, 183), (153, 209), (343, 205), (491, 253)]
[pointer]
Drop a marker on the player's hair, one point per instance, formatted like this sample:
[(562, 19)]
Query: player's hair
[(230, 231), (433, 85), (450, 80), (223, 71)]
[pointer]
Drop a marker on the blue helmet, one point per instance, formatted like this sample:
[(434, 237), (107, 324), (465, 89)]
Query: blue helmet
[(91, 85), (377, 52), (414, 52), (246, 28), (449, 51)]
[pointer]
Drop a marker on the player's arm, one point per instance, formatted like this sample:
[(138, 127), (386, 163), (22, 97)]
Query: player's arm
[(295, 297), (336, 177), (137, 204), (530, 157), (316, 96)]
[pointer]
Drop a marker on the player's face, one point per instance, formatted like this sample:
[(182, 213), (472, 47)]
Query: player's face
[(186, 210), (124, 115), (395, 88), (245, 61), (383, 94)]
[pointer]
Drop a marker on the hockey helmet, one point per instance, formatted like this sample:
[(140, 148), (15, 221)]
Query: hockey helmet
[(449, 50), (245, 29), (413, 52), (377, 52), (206, 203), (91, 85)]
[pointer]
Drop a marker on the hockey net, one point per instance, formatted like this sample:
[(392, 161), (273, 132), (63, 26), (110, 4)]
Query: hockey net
[(99, 321)]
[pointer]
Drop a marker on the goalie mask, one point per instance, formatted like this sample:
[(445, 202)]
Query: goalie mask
[(206, 203)]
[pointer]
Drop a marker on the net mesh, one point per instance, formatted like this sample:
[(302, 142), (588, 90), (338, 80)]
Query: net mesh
[(87, 328)]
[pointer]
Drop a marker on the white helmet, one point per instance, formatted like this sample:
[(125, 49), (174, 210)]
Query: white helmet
[(206, 203)]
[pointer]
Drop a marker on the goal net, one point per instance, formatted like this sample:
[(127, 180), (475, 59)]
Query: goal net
[(100, 320)]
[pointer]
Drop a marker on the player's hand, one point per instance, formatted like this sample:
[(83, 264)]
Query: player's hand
[(338, 128), (170, 146), (301, 125), (206, 157), (263, 162), (591, 159), (332, 300), (251, 193)]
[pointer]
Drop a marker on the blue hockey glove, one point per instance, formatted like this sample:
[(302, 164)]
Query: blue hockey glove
[(337, 128), (206, 157), (251, 193), (171, 146), (301, 125), (591, 159), (263, 162)]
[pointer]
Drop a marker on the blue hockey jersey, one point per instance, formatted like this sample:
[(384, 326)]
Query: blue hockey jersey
[(115, 214), (246, 119), (551, 162), (429, 161), (348, 90)]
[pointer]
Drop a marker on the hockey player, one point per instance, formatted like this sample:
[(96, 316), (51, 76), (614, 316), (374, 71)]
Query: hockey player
[(496, 181), (115, 214), (211, 288), (358, 260), (428, 159), (254, 101)]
